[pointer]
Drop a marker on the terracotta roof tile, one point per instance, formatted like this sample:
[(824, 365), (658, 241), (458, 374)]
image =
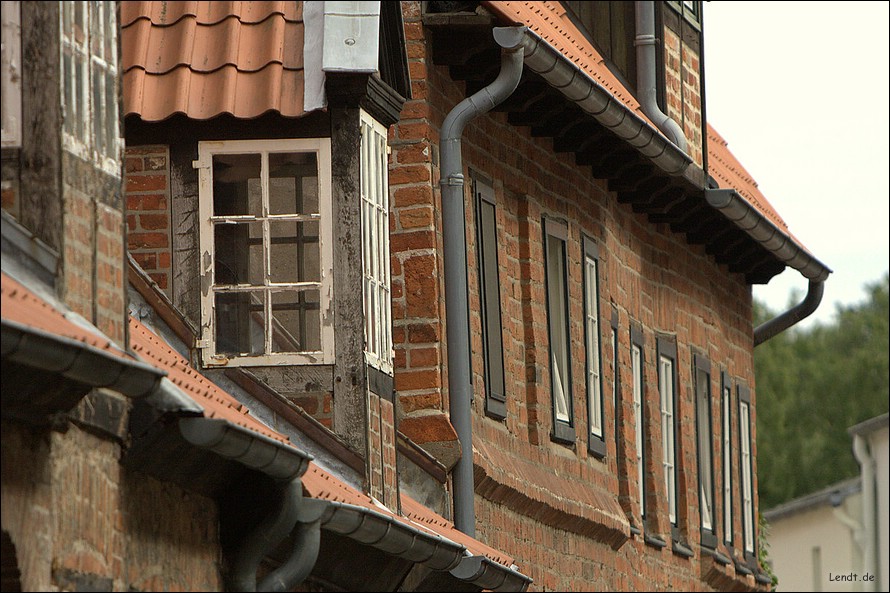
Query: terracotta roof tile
[(549, 21), (23, 306), (204, 59), (216, 402)]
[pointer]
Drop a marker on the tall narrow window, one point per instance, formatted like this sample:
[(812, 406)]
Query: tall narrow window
[(636, 367), (745, 469), (265, 227), (597, 437), (490, 300), (375, 244), (667, 388), (702, 374), (616, 375), (11, 97), (89, 71), (556, 274), (726, 411)]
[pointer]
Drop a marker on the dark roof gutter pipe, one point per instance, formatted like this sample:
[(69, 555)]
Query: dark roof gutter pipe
[(646, 88), (781, 244), (460, 387)]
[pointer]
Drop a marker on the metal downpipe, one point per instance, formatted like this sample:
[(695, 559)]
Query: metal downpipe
[(799, 312), (867, 463), (270, 531), (646, 84), (460, 386), (307, 540)]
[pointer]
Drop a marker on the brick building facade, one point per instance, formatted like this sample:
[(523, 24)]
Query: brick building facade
[(285, 270)]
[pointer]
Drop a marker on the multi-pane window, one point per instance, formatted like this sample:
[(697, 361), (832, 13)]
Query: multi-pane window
[(375, 244), (597, 437), (265, 234), (11, 54), (490, 300), (556, 273), (745, 469), (726, 412), (702, 375), (636, 367), (667, 383), (90, 77)]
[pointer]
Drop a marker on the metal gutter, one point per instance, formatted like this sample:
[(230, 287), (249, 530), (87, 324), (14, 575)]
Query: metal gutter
[(78, 361), (599, 102), (786, 249), (435, 552), (460, 387)]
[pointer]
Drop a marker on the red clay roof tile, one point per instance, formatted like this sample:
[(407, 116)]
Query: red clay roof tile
[(21, 305), (204, 59)]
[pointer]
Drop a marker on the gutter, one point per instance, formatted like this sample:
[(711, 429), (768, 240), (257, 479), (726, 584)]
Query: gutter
[(460, 386), (599, 102), (433, 551), (786, 249)]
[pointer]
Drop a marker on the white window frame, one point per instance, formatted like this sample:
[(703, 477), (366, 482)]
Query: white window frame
[(322, 149), (705, 447), (746, 471), (91, 128), (11, 56), (636, 365), (726, 411), (592, 347), (376, 286), (666, 389)]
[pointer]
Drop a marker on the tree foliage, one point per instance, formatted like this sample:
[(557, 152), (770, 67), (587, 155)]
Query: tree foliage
[(812, 385)]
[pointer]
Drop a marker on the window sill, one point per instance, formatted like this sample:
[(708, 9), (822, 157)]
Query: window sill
[(681, 550), (563, 433), (654, 541)]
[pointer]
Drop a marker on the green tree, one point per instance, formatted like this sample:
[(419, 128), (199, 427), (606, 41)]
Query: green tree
[(812, 384)]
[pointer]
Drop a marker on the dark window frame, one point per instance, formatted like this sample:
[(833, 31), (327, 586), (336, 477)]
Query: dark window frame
[(563, 430), (744, 397), (488, 273), (701, 364), (596, 444), (726, 450), (616, 375), (619, 52)]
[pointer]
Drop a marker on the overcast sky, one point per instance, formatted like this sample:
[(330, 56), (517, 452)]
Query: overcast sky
[(799, 90)]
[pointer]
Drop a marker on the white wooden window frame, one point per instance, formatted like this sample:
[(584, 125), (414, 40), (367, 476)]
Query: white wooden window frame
[(705, 447), (636, 365), (206, 151), (747, 481), (668, 439), (376, 275), (11, 55), (559, 334), (91, 129), (592, 339)]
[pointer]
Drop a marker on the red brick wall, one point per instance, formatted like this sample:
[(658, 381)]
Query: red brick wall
[(683, 90), (73, 512), (651, 275), (382, 479), (147, 195)]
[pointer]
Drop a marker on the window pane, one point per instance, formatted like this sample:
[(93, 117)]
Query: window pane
[(240, 326), (296, 321), (556, 293), (593, 349), (727, 469), (239, 253), (293, 183), (236, 185), (637, 371), (703, 399), (293, 253)]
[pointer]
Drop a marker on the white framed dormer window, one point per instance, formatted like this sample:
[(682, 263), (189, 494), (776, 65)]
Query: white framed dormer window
[(375, 245), (91, 128), (266, 252), (11, 97)]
